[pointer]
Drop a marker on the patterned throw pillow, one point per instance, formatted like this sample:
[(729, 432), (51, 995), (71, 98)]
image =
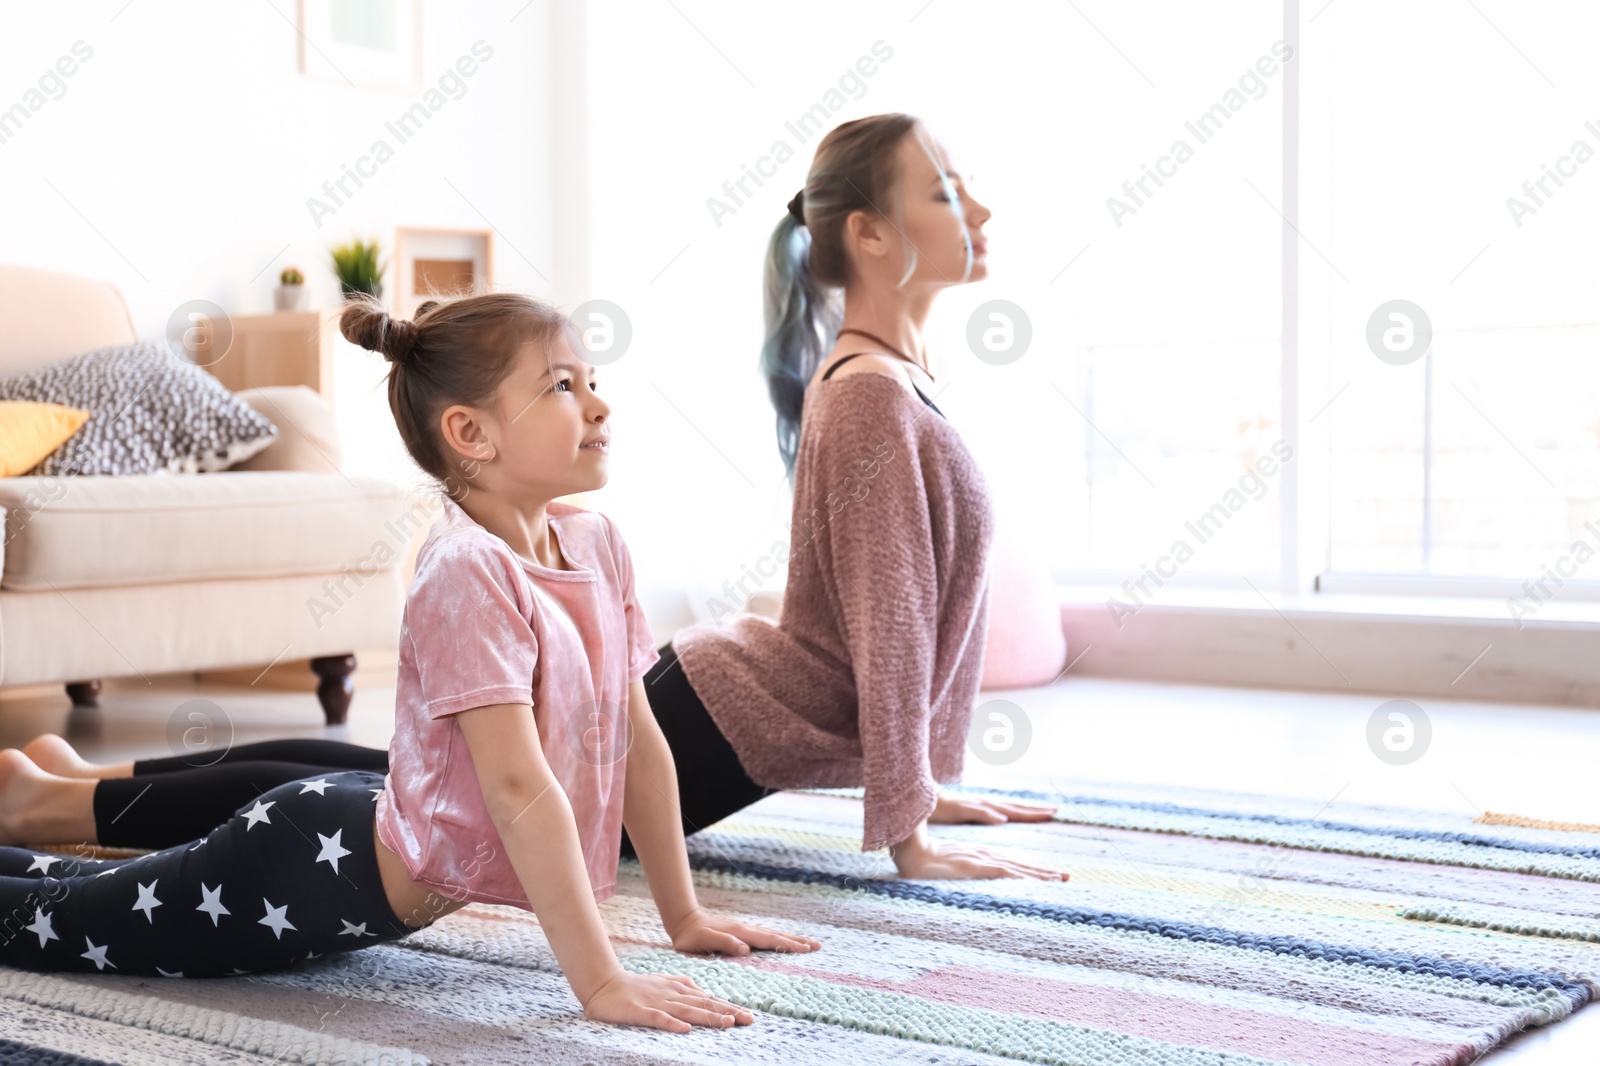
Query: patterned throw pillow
[(150, 413)]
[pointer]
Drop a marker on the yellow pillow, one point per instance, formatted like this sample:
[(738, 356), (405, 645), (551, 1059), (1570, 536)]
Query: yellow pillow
[(31, 431)]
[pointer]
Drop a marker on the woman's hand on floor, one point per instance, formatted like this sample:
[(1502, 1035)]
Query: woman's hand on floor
[(701, 932), (977, 810), (673, 1003), (920, 858)]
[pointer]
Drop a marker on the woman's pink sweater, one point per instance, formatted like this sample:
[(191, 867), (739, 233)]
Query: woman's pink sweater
[(868, 677)]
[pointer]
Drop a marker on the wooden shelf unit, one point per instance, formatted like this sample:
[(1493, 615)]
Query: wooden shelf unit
[(283, 348)]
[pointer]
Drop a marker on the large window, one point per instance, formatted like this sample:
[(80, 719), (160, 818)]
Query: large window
[(1455, 183)]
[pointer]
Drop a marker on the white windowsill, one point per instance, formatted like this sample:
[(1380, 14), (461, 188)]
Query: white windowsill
[(1363, 607), (1451, 647)]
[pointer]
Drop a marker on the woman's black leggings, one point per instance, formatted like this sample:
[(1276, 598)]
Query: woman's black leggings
[(179, 799), (712, 783)]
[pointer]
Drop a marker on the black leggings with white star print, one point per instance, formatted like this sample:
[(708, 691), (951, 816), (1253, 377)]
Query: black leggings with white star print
[(293, 874)]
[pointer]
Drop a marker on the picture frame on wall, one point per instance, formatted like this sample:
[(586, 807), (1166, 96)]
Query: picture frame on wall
[(432, 263), (373, 43)]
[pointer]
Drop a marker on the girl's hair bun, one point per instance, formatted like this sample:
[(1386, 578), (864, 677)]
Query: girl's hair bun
[(365, 322)]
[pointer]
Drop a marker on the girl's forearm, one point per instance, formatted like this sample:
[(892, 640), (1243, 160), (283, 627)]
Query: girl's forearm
[(650, 812), (541, 840)]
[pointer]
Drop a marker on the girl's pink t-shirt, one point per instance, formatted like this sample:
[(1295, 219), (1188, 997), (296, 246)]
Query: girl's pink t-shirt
[(482, 626)]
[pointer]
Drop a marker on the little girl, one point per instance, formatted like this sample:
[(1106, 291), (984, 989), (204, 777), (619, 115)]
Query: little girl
[(523, 738)]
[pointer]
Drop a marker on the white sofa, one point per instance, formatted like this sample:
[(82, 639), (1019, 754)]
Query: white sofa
[(133, 576)]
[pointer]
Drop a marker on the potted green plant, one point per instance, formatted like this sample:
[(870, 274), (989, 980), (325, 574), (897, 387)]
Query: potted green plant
[(290, 295), (359, 267)]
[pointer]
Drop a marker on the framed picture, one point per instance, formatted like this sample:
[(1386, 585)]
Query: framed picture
[(362, 42), (430, 263)]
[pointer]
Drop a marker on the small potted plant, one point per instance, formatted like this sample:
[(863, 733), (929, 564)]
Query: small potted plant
[(359, 268), (290, 295)]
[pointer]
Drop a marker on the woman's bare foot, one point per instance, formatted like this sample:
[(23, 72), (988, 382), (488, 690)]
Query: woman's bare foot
[(15, 770), (37, 807), (55, 755)]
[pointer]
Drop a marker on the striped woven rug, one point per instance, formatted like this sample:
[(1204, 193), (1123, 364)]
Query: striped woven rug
[(1198, 928)]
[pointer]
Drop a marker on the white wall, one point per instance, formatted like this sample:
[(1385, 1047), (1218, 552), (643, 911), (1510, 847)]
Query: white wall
[(178, 159)]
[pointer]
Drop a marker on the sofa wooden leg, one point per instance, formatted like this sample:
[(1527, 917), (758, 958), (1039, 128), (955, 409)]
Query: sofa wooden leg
[(336, 688), (84, 693)]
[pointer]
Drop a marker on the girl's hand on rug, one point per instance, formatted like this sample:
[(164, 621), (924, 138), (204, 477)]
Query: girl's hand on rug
[(976, 810), (701, 932), (919, 858), (673, 1003)]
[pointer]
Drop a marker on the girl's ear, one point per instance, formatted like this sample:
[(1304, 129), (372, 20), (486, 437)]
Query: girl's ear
[(464, 433)]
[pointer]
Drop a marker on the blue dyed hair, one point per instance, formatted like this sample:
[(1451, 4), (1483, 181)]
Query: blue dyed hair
[(855, 169)]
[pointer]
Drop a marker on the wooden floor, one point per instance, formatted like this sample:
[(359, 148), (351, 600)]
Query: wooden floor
[(1535, 761)]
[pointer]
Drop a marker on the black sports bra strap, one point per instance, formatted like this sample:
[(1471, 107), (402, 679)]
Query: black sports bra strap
[(845, 359), (829, 372)]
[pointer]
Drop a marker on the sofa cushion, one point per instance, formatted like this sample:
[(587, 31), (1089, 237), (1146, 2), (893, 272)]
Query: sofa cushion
[(88, 532), (308, 436), (151, 413)]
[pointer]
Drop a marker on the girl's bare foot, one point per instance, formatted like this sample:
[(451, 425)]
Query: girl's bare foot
[(54, 755), (37, 807)]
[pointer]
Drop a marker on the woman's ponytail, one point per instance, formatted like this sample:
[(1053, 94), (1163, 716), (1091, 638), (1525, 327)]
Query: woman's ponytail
[(855, 169), (800, 328)]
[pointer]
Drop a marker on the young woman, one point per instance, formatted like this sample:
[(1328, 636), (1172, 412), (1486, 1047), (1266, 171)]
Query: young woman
[(522, 654), (870, 675)]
